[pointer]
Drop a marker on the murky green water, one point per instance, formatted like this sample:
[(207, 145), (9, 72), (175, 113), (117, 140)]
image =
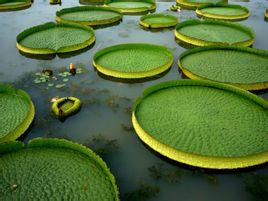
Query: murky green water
[(104, 122)]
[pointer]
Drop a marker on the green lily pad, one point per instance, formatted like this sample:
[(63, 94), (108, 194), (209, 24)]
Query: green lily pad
[(16, 113), (89, 15), (58, 86), (132, 6), (11, 5), (223, 12), (158, 20), (50, 84), (54, 168), (205, 124), (37, 81), (65, 80), (132, 61), (213, 32), (51, 38), (240, 66), (90, 2), (194, 4)]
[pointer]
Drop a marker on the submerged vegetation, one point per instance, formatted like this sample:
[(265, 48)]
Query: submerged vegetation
[(142, 193), (158, 172), (102, 145)]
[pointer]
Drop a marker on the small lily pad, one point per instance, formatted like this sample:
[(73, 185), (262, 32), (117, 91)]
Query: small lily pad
[(58, 86), (37, 81), (65, 80)]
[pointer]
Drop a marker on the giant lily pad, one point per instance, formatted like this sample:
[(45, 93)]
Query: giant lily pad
[(244, 67), (213, 32), (16, 113), (132, 6), (51, 38), (194, 4), (223, 12), (158, 21), (10, 5), (204, 124), (132, 61), (90, 2), (56, 169), (89, 15)]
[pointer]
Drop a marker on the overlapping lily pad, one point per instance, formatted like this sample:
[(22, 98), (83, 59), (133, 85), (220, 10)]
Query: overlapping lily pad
[(16, 112), (10, 5), (51, 38), (204, 124), (133, 61), (158, 21), (244, 67), (132, 6), (89, 15), (194, 4), (56, 169), (223, 12), (213, 32)]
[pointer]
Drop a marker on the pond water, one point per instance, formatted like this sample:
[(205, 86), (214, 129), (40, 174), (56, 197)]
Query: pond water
[(104, 123)]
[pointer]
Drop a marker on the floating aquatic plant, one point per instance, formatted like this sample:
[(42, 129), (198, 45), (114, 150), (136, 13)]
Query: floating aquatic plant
[(39, 40), (213, 32), (239, 66), (194, 4), (61, 166), (168, 113), (132, 6), (57, 80), (89, 15), (55, 2), (133, 61), (90, 2), (16, 112), (158, 21), (175, 8), (223, 12), (12, 5), (64, 107)]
